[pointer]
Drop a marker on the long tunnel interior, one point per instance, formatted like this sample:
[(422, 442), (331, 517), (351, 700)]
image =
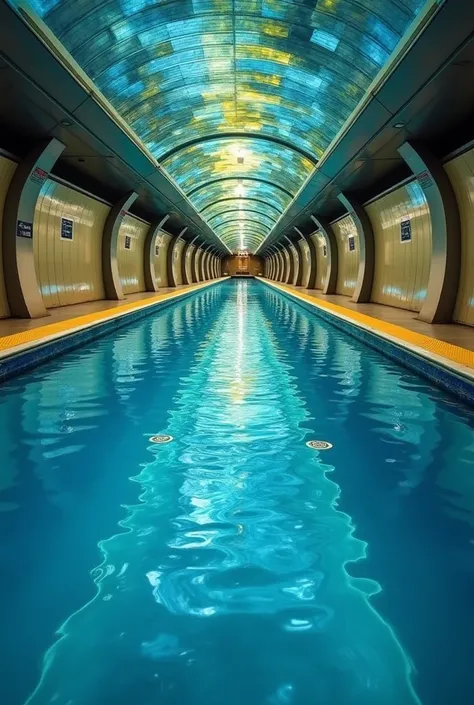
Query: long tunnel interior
[(236, 352)]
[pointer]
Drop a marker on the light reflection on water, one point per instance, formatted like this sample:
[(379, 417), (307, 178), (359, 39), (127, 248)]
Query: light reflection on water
[(229, 579)]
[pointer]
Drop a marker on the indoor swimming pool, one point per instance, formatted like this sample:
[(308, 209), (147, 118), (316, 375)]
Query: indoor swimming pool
[(234, 565)]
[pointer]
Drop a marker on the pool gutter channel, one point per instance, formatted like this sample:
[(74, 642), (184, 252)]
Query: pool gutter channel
[(23, 357), (446, 374)]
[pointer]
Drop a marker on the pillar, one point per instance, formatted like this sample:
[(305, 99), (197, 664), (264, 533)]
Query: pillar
[(184, 275), (149, 254), (194, 275), (331, 251), (112, 284), (291, 263), (312, 257), (365, 275), (299, 276), (445, 264), (170, 256), (21, 282)]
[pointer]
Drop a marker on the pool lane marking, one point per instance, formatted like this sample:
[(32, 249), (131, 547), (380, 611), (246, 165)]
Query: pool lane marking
[(17, 342), (452, 356)]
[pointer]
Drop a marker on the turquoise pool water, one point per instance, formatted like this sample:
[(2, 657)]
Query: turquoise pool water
[(234, 565)]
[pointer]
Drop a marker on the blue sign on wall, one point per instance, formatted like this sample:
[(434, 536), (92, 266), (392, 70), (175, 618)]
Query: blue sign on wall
[(67, 229), (352, 244), (24, 229), (405, 230), (128, 242)]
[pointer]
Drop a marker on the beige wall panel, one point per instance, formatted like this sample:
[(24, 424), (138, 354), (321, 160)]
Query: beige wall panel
[(69, 271), (321, 259), (401, 268), (130, 261), (161, 272), (461, 174), (187, 264), (177, 256), (305, 259), (347, 259), (7, 169)]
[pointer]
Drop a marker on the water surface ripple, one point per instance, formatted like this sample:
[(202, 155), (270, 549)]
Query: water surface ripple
[(235, 573)]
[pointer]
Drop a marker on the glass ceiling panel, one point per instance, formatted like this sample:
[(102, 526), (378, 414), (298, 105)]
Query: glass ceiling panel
[(178, 71)]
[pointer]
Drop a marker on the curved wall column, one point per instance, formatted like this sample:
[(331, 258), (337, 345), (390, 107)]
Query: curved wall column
[(112, 284), (280, 266), (194, 277), (212, 265), (149, 255), (312, 259), (21, 281), (170, 255), (204, 258), (184, 274), (445, 266), (291, 263), (331, 253), (272, 263), (299, 276), (276, 263), (365, 275), (266, 268)]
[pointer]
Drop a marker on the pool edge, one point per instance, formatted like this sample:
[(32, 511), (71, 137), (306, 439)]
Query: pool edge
[(444, 372), (46, 342)]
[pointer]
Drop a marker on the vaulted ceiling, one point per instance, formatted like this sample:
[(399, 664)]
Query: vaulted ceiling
[(237, 99)]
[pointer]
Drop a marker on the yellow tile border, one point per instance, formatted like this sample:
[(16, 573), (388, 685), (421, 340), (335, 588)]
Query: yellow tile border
[(19, 342), (446, 354)]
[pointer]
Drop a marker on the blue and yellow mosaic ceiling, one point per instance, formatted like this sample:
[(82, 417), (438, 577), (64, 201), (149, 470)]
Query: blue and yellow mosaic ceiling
[(238, 99)]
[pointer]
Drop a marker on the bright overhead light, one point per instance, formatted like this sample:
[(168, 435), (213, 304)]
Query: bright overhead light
[(239, 191)]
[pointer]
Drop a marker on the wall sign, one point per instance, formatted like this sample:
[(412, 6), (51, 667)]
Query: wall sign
[(325, 251), (405, 230), (67, 229), (24, 229), (157, 250), (128, 242), (352, 243), (38, 176), (424, 179)]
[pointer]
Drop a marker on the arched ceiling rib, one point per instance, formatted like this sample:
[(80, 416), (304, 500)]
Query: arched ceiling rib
[(240, 97)]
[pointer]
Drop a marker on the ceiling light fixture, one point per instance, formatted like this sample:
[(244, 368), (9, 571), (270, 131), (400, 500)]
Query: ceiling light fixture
[(399, 125)]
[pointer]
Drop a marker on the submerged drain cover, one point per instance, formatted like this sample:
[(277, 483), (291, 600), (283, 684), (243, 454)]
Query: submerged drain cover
[(161, 439), (319, 445)]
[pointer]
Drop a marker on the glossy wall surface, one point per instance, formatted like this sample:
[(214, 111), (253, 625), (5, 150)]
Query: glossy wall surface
[(461, 174), (69, 270), (130, 260), (7, 169), (401, 268), (347, 259)]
